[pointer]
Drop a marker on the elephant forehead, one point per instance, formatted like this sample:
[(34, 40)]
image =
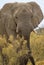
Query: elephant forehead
[(23, 10), (23, 15)]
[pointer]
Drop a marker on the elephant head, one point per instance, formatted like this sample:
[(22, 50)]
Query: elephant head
[(24, 16), (27, 17)]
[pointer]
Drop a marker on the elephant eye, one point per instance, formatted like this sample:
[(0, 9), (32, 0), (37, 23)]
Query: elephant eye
[(16, 17), (32, 16)]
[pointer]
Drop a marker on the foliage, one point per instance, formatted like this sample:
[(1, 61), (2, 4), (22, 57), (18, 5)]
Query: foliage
[(8, 50), (37, 46)]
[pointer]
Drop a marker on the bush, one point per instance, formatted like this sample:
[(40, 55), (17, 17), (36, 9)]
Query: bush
[(8, 50)]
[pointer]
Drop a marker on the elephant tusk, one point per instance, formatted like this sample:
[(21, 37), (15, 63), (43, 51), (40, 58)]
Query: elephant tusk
[(35, 31), (17, 29)]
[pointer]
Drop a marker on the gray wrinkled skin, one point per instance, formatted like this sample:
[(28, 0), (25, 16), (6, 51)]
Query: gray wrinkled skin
[(20, 18), (23, 17)]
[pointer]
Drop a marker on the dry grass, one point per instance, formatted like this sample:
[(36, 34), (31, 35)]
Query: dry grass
[(37, 63), (9, 49)]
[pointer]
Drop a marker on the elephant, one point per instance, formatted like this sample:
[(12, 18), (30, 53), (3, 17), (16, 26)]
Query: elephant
[(20, 18)]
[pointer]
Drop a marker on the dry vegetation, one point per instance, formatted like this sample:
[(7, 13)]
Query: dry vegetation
[(9, 54)]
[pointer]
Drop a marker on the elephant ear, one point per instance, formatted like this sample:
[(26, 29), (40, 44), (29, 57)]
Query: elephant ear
[(6, 7), (37, 14), (9, 7)]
